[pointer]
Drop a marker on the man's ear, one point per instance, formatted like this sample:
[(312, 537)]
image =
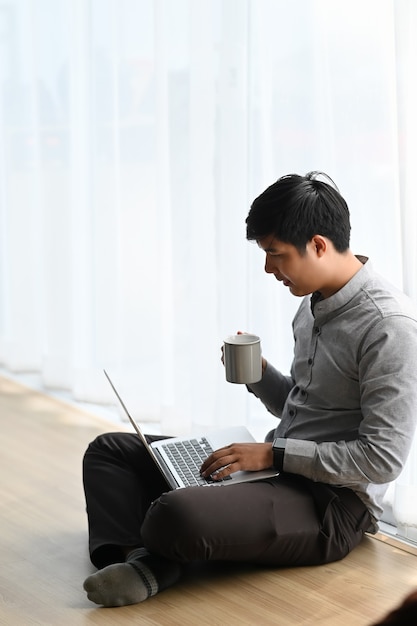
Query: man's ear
[(319, 245)]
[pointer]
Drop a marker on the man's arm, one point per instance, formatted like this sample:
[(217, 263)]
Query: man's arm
[(272, 389), (388, 391)]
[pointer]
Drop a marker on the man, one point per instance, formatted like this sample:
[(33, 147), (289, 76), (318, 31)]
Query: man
[(347, 416)]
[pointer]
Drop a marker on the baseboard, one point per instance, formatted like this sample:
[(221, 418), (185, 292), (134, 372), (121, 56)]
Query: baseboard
[(388, 536)]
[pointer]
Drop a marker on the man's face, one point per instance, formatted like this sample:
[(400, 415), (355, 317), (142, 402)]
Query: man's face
[(298, 272)]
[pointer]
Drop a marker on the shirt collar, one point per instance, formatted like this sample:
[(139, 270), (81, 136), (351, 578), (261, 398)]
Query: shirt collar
[(322, 305)]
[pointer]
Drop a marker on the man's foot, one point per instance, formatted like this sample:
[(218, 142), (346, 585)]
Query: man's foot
[(142, 576)]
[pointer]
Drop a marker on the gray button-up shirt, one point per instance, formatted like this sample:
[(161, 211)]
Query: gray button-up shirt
[(349, 408)]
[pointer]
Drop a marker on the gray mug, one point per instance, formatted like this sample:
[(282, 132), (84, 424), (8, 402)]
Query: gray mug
[(243, 359)]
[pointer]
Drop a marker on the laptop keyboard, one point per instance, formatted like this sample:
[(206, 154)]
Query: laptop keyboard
[(187, 458)]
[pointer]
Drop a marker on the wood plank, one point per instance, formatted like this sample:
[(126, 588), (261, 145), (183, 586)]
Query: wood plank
[(44, 560)]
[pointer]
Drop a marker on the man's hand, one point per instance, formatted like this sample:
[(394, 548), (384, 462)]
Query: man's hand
[(237, 456)]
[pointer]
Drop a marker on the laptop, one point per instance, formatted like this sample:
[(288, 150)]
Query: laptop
[(179, 458)]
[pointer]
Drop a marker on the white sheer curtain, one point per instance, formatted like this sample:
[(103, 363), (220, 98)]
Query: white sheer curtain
[(134, 135)]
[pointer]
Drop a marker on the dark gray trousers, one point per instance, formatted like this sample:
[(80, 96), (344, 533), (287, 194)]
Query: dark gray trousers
[(284, 521)]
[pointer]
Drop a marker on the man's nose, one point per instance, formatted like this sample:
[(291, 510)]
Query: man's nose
[(269, 268)]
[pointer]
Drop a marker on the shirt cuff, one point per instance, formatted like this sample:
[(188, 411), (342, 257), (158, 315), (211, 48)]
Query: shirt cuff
[(299, 456)]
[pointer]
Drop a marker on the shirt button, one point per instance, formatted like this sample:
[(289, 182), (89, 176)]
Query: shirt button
[(310, 361), (292, 413), (316, 330)]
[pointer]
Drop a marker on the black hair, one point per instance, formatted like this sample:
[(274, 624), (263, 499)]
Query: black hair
[(295, 208)]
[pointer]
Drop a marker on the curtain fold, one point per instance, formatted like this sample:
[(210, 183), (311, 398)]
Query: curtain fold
[(134, 135)]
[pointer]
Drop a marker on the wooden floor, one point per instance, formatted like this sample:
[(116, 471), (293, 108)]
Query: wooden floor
[(43, 547)]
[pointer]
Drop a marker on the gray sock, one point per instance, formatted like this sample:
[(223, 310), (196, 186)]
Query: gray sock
[(131, 582)]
